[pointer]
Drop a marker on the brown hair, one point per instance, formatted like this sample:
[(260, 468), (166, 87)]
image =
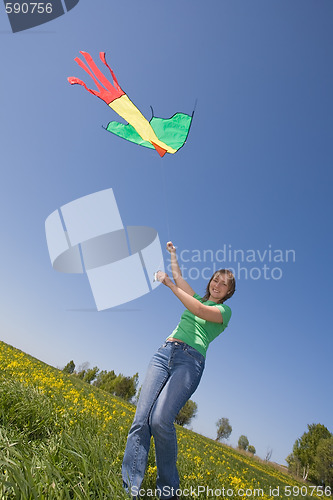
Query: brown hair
[(231, 285)]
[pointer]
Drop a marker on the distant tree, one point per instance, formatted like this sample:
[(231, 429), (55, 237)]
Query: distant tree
[(81, 371), (268, 455), (224, 429), (323, 463), (186, 414), (104, 380), (90, 374), (125, 387), (305, 449), (251, 449), (294, 464), (119, 385), (69, 368), (243, 442)]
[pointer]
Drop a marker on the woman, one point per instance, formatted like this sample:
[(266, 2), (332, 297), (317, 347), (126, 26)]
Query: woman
[(172, 377)]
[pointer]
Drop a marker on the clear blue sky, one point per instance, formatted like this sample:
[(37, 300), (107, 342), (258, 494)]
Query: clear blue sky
[(255, 174)]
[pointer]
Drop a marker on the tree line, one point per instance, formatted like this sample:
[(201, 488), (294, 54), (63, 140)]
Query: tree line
[(118, 385)]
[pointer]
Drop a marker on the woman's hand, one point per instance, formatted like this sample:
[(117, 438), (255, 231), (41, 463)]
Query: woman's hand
[(170, 247), (163, 278)]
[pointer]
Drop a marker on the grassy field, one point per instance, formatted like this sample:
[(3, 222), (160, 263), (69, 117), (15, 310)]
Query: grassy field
[(63, 439)]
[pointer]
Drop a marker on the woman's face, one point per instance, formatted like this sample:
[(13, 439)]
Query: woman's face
[(218, 287)]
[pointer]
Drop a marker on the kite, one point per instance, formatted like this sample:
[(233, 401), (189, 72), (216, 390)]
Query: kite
[(166, 135)]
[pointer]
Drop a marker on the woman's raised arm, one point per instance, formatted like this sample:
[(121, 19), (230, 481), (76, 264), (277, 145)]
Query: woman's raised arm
[(207, 313), (176, 272)]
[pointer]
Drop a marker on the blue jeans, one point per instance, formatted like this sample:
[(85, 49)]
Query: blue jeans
[(173, 375)]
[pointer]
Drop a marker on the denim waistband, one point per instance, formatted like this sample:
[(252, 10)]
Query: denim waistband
[(176, 342), (185, 347)]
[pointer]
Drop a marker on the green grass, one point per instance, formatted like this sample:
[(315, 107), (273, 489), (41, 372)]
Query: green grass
[(63, 439)]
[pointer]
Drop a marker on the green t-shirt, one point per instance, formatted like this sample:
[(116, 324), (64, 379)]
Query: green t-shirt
[(197, 332)]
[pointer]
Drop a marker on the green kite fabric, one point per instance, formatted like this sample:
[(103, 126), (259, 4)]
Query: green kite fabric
[(173, 131)]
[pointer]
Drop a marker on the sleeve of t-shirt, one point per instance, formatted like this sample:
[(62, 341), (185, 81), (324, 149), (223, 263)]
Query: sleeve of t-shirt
[(226, 313), (225, 310)]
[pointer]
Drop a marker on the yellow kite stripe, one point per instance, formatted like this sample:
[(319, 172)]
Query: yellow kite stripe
[(127, 110)]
